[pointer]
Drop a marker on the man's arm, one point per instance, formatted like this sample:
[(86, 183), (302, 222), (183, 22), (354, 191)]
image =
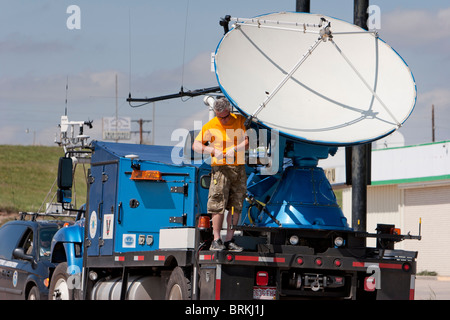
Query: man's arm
[(243, 145), (199, 147)]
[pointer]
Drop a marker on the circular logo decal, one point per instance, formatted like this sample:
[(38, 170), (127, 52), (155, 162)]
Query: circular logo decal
[(93, 224), (15, 276)]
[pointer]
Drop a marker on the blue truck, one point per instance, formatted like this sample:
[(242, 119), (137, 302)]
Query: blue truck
[(146, 226)]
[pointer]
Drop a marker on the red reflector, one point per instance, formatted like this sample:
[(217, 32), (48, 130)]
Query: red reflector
[(369, 284), (339, 280), (319, 261), (337, 263), (262, 278), (300, 260), (406, 266), (229, 257)]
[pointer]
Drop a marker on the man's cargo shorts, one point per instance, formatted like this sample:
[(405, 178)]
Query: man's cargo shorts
[(227, 189)]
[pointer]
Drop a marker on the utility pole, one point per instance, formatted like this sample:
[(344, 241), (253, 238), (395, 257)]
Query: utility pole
[(360, 154), (433, 128), (303, 6), (141, 131), (360, 14)]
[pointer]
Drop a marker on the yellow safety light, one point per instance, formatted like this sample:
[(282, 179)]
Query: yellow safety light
[(152, 175)]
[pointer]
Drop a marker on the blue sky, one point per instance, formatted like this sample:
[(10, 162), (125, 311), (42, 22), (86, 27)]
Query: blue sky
[(171, 42)]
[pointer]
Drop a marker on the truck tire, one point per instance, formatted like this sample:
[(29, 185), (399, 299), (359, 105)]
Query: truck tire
[(34, 294), (179, 286), (63, 285)]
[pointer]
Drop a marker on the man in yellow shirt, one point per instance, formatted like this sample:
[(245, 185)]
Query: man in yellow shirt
[(224, 138)]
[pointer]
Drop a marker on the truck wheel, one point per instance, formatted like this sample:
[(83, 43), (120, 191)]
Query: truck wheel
[(178, 287), (63, 285), (34, 294)]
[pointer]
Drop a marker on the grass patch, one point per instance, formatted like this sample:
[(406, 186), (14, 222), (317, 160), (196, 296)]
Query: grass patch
[(427, 273), (27, 174)]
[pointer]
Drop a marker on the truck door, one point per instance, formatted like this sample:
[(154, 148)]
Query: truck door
[(23, 269), (149, 206), (102, 200)]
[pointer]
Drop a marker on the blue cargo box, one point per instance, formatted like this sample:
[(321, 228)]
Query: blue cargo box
[(126, 214)]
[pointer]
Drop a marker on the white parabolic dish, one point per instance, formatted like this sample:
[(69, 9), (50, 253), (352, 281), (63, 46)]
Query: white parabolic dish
[(352, 88)]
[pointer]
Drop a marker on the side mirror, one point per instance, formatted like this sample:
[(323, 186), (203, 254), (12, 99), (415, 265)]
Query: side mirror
[(64, 194), (65, 173), (18, 253), (205, 181)]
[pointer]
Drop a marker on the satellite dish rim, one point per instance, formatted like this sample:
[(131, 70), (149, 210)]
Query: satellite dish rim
[(329, 142)]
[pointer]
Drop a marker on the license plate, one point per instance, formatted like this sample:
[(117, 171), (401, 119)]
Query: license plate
[(264, 293)]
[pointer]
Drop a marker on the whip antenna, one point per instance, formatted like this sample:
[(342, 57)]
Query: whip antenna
[(67, 89)]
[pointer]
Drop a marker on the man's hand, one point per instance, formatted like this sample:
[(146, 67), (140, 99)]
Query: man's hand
[(231, 155), (218, 154), (231, 152)]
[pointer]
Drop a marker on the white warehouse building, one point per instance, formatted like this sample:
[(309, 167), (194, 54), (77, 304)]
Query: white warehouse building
[(408, 184)]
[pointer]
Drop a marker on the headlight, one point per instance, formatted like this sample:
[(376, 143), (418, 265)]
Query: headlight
[(293, 240), (93, 275), (338, 241)]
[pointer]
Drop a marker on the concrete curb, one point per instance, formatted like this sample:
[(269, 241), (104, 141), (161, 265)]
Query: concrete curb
[(437, 278)]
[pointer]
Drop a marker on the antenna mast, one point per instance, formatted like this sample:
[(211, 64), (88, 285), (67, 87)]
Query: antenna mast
[(67, 89)]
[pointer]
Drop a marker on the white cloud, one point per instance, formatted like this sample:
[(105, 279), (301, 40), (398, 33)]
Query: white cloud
[(51, 89), (196, 74), (439, 97), (421, 37), (444, 18), (416, 28), (91, 95), (16, 43), (86, 84), (417, 129)]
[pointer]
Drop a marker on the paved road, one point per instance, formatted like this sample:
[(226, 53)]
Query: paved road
[(432, 288)]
